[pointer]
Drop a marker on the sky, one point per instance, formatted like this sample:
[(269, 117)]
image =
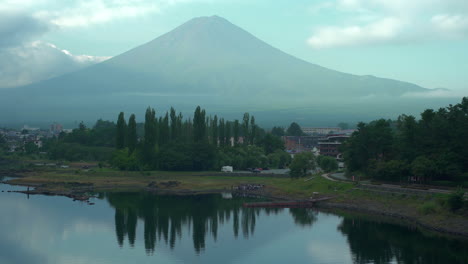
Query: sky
[(420, 41)]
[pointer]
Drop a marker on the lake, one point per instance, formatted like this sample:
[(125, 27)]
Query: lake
[(214, 228)]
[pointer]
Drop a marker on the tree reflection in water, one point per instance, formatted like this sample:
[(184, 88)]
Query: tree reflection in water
[(375, 242), (165, 217)]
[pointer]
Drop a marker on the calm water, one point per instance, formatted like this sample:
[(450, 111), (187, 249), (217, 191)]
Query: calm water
[(145, 228)]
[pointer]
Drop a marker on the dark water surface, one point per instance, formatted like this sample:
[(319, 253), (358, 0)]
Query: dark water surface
[(146, 228)]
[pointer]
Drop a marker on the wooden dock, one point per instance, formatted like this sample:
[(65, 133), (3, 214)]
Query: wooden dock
[(288, 204)]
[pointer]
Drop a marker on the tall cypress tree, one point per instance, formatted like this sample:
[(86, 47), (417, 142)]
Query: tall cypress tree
[(199, 126), (173, 118), (214, 130), (131, 134), (253, 130), (236, 132), (164, 133), (222, 133), (228, 133), (245, 128), (121, 131), (150, 138)]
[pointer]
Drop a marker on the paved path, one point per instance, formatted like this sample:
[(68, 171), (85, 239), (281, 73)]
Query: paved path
[(327, 176)]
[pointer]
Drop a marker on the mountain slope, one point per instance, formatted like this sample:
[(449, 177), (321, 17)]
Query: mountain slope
[(203, 61)]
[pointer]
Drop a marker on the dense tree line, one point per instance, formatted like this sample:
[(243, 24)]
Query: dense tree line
[(431, 149), (170, 142), (83, 143)]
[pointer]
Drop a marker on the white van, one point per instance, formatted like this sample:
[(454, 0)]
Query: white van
[(227, 169)]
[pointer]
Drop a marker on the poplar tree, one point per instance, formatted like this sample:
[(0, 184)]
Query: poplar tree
[(236, 132), (199, 126), (214, 130), (121, 131), (131, 134), (253, 130), (228, 133), (222, 132), (245, 128), (150, 139), (173, 117)]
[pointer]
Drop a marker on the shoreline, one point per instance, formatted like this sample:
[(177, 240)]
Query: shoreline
[(366, 202)]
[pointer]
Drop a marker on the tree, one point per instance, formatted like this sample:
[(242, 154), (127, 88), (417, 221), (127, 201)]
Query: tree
[(294, 130), (301, 164), (199, 125), (30, 147), (277, 131), (245, 128), (327, 163), (236, 132), (121, 131), (253, 130), (174, 131), (3, 142), (222, 133), (227, 129), (271, 143), (343, 125), (131, 134), (422, 168), (214, 130), (150, 138), (164, 130)]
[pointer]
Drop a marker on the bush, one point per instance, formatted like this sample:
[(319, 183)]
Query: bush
[(428, 207), (455, 200), (327, 164)]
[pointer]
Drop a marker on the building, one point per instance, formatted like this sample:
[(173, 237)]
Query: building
[(56, 128), (330, 146), (320, 130)]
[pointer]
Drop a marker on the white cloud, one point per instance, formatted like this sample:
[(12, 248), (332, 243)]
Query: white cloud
[(378, 31), (437, 93), (456, 25), (395, 21), (36, 61), (100, 11)]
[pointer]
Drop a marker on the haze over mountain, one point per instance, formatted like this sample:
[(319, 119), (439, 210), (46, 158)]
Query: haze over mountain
[(210, 62)]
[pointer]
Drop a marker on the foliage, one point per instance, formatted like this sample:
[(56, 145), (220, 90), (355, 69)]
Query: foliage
[(121, 131), (327, 163), (76, 152), (301, 164), (278, 131), (455, 200), (30, 147), (431, 149), (294, 130), (428, 207), (279, 159), (120, 159)]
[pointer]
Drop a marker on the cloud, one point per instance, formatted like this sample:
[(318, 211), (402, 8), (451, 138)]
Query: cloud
[(17, 28), (378, 31), (36, 61), (84, 13), (389, 22), (455, 25), (437, 93)]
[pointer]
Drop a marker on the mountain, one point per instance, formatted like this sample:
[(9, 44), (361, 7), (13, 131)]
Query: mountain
[(210, 62)]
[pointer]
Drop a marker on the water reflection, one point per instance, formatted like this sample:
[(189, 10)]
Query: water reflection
[(164, 217), (375, 242)]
